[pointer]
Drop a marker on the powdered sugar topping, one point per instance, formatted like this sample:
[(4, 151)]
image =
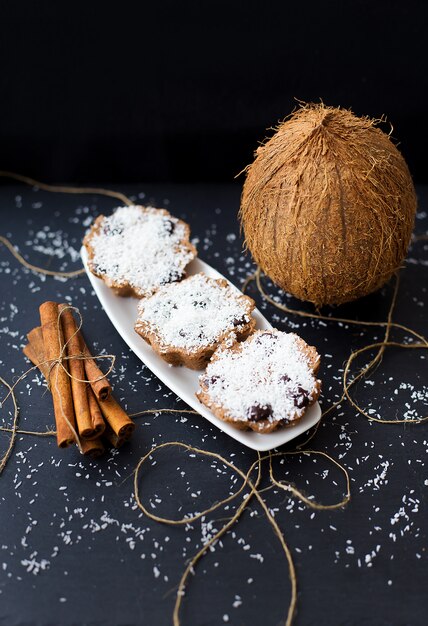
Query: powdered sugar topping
[(268, 377), (194, 313), (142, 247)]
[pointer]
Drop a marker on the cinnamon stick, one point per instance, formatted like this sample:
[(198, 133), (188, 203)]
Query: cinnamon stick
[(93, 448), (118, 420), (35, 351), (59, 381), (98, 422), (74, 399), (101, 387), (77, 373), (112, 438)]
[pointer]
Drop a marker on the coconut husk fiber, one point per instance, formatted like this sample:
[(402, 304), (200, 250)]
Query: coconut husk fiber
[(328, 206)]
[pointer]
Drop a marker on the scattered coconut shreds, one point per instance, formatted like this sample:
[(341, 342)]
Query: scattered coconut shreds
[(58, 506)]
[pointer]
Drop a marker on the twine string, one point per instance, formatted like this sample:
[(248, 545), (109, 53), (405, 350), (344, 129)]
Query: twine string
[(254, 491), (291, 488), (416, 238), (81, 357), (185, 519), (52, 433), (346, 385), (60, 361), (55, 189), (35, 433), (34, 268), (256, 276), (13, 430), (32, 182)]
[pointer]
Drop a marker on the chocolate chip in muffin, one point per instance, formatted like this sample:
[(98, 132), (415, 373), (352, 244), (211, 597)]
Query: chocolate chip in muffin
[(211, 380), (239, 321), (199, 304), (169, 226), (259, 412), (112, 232), (301, 398)]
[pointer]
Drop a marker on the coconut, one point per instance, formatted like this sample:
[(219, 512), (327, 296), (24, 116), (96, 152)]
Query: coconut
[(328, 206)]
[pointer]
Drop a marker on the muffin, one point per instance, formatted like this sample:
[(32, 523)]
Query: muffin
[(263, 383), (138, 249), (185, 322)]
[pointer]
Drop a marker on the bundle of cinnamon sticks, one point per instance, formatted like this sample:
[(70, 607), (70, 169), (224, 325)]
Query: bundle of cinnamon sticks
[(85, 410)]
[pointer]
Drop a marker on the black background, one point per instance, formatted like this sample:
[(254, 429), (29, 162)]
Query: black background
[(184, 91)]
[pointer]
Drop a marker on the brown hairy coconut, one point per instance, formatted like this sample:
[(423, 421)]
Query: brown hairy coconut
[(328, 206)]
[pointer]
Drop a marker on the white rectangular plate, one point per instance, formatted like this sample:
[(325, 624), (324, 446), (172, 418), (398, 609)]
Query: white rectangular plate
[(181, 380)]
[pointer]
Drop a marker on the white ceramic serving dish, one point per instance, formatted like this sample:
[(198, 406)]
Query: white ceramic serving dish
[(182, 381)]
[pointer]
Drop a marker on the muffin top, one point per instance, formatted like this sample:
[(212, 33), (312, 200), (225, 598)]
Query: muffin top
[(139, 247), (269, 378), (194, 314)]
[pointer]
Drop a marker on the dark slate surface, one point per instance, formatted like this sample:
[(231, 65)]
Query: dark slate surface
[(74, 547)]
